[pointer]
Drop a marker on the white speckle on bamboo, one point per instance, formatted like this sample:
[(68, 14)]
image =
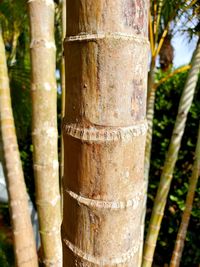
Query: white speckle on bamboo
[(38, 43), (127, 174), (55, 164), (43, 86), (51, 202), (51, 132)]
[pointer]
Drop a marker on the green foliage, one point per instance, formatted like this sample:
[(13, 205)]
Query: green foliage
[(166, 106), (6, 246), (6, 252)]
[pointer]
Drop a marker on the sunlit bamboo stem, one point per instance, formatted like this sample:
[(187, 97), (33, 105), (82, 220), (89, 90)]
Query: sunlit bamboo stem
[(179, 244)]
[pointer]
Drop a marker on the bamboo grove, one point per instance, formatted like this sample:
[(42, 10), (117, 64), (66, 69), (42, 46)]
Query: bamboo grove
[(93, 98)]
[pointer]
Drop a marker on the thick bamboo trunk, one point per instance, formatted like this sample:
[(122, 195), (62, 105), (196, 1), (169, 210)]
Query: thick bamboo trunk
[(24, 243), (106, 51), (170, 161), (179, 245), (44, 99)]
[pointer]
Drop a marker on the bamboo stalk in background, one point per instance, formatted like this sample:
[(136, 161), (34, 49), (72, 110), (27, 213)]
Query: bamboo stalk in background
[(24, 243), (147, 156), (106, 52), (179, 244), (171, 158), (150, 115), (156, 45), (44, 128)]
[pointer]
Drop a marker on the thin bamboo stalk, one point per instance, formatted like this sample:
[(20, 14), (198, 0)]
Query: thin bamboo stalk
[(170, 75), (151, 34), (150, 115), (106, 52), (155, 6), (160, 5), (24, 243), (179, 244), (171, 157), (44, 129)]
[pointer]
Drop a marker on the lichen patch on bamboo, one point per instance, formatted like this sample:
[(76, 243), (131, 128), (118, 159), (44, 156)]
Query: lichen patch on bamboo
[(38, 43)]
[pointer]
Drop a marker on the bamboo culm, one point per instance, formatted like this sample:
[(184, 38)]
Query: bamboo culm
[(106, 52), (44, 129)]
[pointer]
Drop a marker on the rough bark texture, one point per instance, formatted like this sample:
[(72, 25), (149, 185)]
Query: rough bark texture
[(179, 245), (24, 243), (44, 99), (170, 161), (106, 51)]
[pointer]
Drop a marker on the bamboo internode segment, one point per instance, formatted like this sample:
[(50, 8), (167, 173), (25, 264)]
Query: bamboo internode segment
[(106, 51), (24, 243), (44, 130)]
